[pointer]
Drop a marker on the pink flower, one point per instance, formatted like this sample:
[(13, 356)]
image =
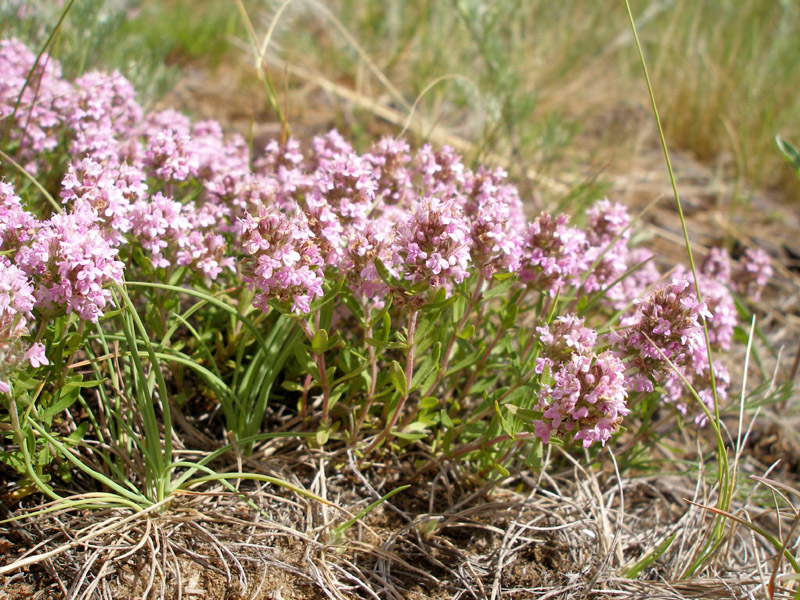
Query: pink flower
[(753, 273), (284, 263), (36, 356), (553, 255), (588, 397), (73, 264), (432, 244)]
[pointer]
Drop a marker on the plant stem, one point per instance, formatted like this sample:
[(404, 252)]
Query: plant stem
[(373, 376), (409, 373), (467, 312), (319, 359)]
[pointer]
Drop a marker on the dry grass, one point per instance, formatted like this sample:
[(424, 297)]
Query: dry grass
[(566, 535)]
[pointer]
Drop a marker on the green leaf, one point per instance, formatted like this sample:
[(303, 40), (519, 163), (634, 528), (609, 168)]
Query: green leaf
[(467, 332), (429, 403), (446, 420), (322, 435), (66, 400), (465, 362), (398, 377), (334, 397), (320, 342), (534, 458), (790, 152), (482, 385), (499, 289), (440, 304), (633, 571), (525, 415), (428, 366), (77, 435), (511, 316), (503, 423), (292, 386), (302, 355), (376, 343), (338, 533), (384, 274)]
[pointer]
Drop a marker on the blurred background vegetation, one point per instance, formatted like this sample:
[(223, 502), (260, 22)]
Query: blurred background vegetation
[(553, 87)]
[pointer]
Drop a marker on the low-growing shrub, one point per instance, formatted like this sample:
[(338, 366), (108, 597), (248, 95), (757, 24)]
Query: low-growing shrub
[(394, 297)]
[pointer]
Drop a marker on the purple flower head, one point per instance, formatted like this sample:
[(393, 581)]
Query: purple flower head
[(588, 397), (607, 252), (724, 318), (666, 325), (717, 265), (346, 184), (606, 221), (17, 226), (553, 254), (362, 248), (720, 305), (391, 159), (158, 223), (102, 108), (16, 301), (176, 234), (635, 284), (753, 273), (37, 121), (105, 97), (237, 192), (283, 165), (73, 264), (441, 173), (288, 155), (172, 156), (200, 246), (111, 190), (433, 243), (170, 152), (284, 261), (217, 155), (564, 337), (327, 146), (328, 229), (495, 214)]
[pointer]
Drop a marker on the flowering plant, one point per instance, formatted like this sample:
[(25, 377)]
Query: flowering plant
[(390, 297)]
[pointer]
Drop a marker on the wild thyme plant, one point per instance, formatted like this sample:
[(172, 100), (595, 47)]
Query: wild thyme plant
[(390, 298)]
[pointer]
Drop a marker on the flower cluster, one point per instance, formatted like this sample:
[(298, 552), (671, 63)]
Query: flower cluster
[(754, 271), (284, 261), (16, 305), (565, 336), (607, 233), (553, 254), (587, 397), (157, 193), (17, 226), (665, 328), (72, 264), (433, 243), (31, 115)]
